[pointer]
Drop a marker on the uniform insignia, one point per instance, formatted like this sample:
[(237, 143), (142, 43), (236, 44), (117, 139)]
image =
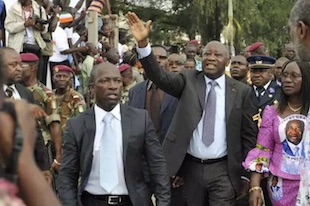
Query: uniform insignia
[(53, 104), (257, 117), (259, 62), (270, 95), (56, 69)]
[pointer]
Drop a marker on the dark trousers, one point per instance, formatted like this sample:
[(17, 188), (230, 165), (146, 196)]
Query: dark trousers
[(177, 196), (43, 74), (53, 64), (207, 184), (90, 200)]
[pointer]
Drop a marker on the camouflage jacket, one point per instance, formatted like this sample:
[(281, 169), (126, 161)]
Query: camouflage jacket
[(70, 105), (46, 99)]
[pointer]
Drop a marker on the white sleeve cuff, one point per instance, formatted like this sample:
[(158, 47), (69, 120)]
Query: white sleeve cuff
[(144, 52)]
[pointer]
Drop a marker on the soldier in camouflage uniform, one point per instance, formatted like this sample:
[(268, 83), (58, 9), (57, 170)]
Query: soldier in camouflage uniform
[(45, 98), (70, 102)]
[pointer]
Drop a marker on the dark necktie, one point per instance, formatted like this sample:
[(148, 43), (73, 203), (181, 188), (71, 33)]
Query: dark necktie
[(155, 105), (9, 92), (260, 90), (209, 118)]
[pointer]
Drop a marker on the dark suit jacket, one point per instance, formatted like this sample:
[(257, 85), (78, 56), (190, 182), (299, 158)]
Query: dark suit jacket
[(272, 93), (190, 87), (139, 138), (40, 148), (137, 99)]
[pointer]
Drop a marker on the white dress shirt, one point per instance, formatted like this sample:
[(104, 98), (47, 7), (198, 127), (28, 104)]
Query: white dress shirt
[(219, 147), (16, 94), (197, 148), (93, 185)]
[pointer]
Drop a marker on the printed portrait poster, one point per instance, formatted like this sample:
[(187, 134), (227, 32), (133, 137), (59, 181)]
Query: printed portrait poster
[(275, 186), (292, 134)]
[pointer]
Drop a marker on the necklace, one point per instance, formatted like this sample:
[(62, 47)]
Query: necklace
[(292, 108)]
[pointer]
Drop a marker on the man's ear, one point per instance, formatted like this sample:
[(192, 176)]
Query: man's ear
[(302, 30)]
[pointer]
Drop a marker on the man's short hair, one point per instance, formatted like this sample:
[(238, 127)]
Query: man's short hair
[(301, 12)]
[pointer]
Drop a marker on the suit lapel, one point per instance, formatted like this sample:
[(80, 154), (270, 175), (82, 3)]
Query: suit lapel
[(21, 91), (201, 89), (126, 124), (90, 125), (165, 103), (254, 98), (142, 94), (230, 94)]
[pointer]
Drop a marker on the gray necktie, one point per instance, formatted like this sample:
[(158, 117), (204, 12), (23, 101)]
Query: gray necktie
[(209, 118), (108, 161)]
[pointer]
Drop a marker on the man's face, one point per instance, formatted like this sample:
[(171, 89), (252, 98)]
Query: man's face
[(239, 67), (107, 87), (291, 79), (12, 65), (278, 68), (62, 80), (215, 58), (302, 51), (290, 52), (189, 64), (127, 77), (191, 51), (26, 71), (175, 63), (260, 76), (294, 132), (160, 54)]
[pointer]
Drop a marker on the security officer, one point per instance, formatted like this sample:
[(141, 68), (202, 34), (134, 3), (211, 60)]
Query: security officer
[(45, 98), (70, 102), (265, 91)]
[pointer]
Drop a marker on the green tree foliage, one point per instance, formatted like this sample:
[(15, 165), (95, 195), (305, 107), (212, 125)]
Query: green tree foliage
[(259, 20)]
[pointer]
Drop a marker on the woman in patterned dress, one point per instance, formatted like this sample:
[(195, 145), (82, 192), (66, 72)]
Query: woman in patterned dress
[(280, 139)]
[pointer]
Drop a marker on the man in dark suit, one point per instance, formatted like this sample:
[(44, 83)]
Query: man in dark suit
[(11, 62), (211, 166), (91, 139)]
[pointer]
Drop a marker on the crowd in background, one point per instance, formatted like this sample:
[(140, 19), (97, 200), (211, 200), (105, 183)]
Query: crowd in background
[(190, 126)]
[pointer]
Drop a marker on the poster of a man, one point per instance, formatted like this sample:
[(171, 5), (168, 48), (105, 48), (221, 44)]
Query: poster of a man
[(275, 184), (294, 130)]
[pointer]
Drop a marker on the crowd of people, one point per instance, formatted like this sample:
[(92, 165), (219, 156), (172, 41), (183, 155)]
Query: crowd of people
[(144, 125)]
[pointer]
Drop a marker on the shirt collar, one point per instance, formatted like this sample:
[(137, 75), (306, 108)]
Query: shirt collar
[(265, 86), (6, 86), (220, 81), (100, 113)]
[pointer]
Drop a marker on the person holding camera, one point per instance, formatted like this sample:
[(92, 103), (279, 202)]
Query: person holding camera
[(25, 23)]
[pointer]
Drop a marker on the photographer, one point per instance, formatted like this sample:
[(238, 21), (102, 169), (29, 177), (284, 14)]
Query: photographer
[(18, 123), (25, 27)]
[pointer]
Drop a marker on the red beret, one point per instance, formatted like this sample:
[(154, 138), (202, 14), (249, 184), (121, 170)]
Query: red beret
[(255, 45), (62, 68), (123, 67), (29, 57), (194, 42)]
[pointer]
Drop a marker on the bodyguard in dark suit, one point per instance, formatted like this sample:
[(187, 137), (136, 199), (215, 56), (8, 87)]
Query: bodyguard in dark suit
[(11, 61), (120, 134), (206, 149)]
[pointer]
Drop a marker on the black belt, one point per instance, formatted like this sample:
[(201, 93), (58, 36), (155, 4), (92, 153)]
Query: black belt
[(111, 199), (205, 161)]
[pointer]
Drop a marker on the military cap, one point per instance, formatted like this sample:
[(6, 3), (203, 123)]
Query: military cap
[(62, 68), (261, 62), (29, 57), (255, 45), (123, 67), (194, 42)]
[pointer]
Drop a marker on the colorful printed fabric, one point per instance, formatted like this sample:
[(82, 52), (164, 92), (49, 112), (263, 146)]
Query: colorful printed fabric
[(8, 193), (303, 198), (280, 147)]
